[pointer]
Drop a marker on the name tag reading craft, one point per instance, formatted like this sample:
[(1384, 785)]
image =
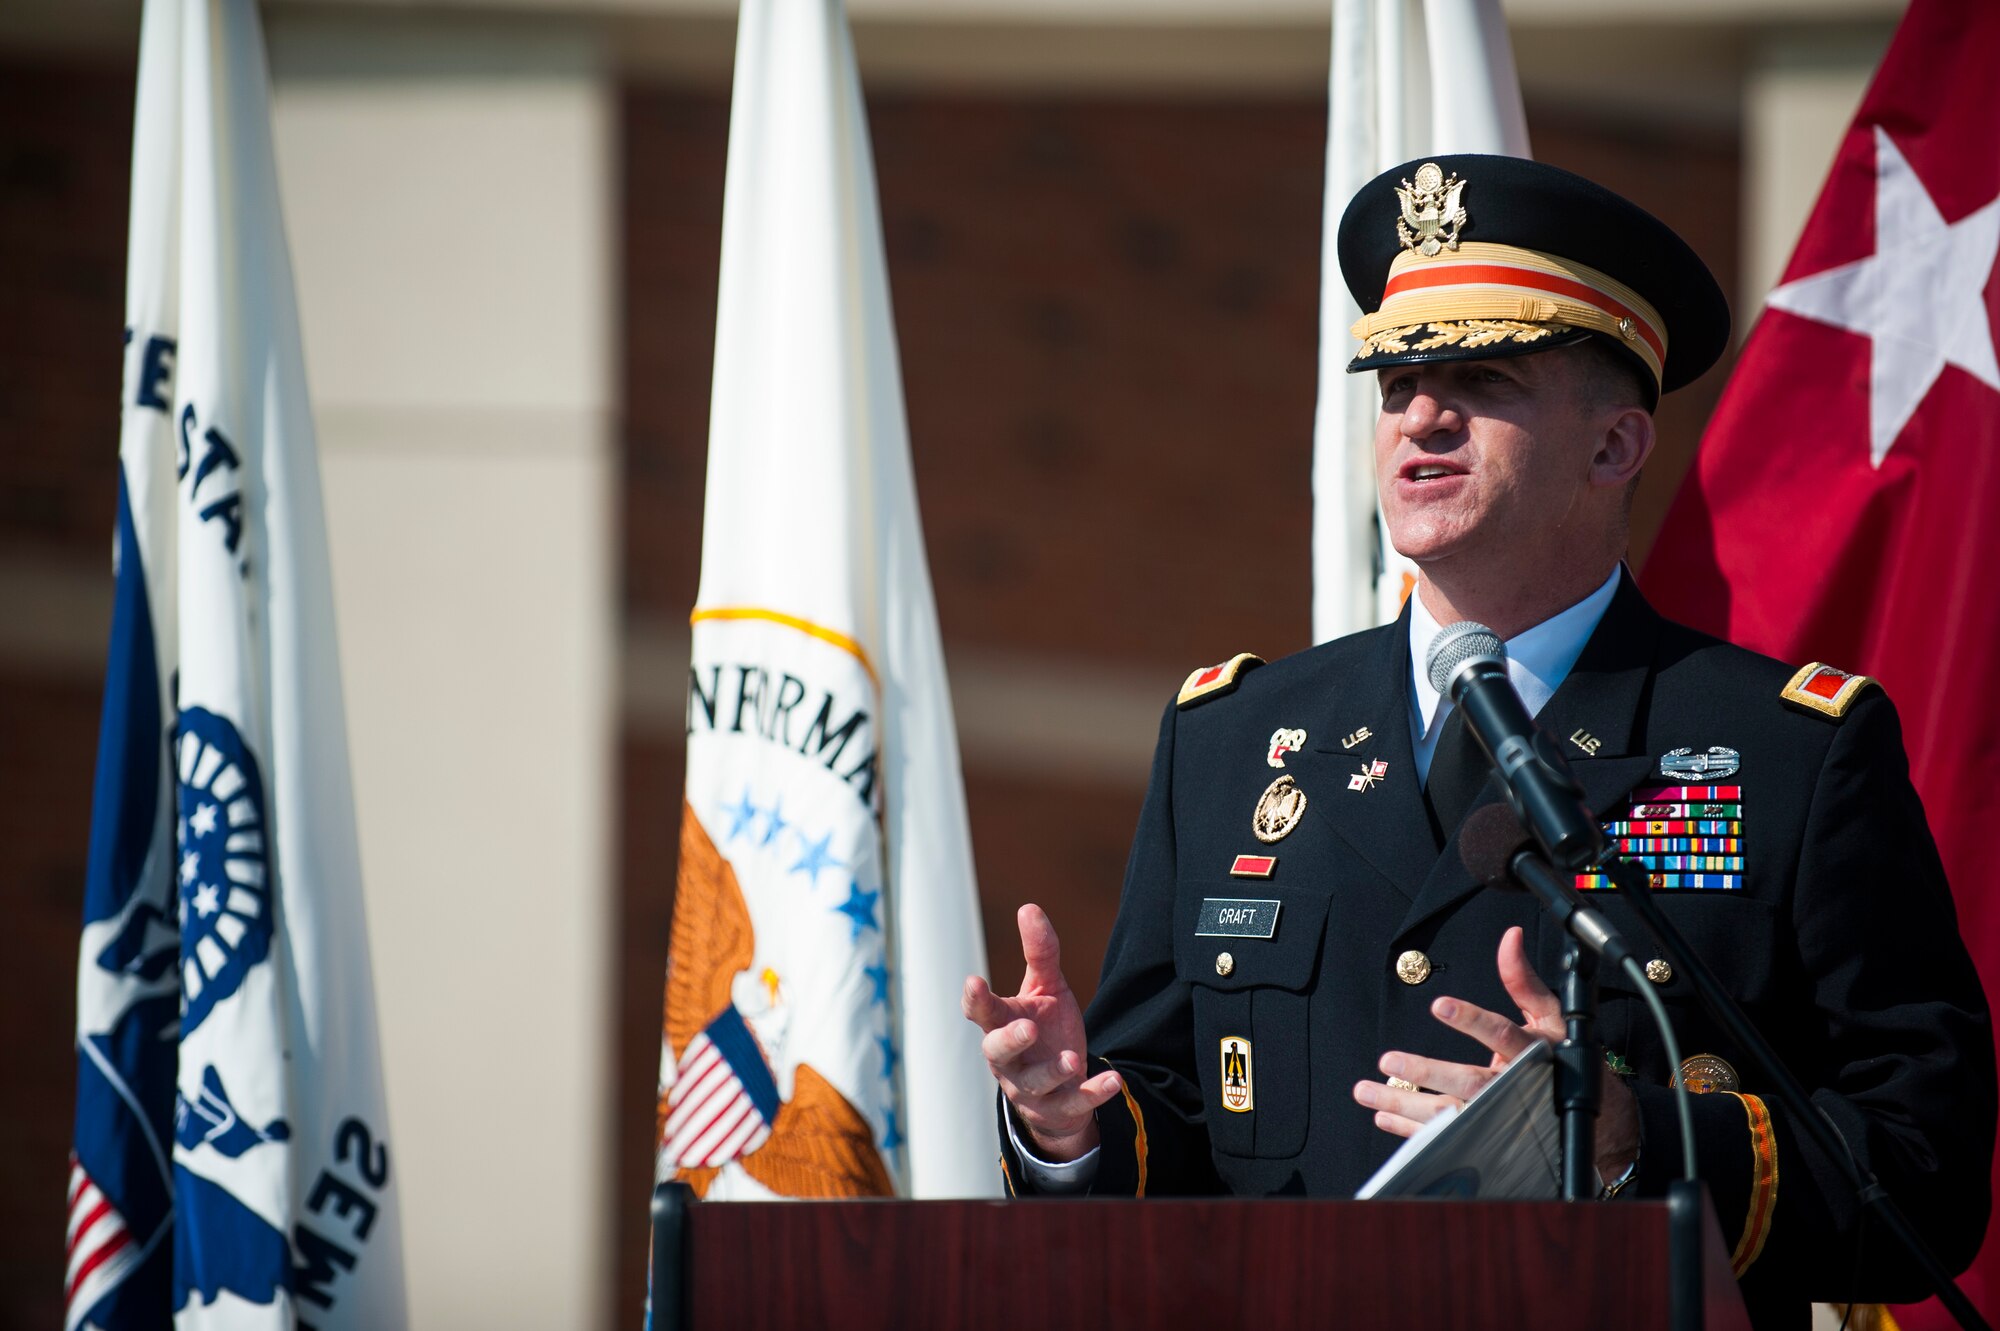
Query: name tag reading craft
[(1236, 917)]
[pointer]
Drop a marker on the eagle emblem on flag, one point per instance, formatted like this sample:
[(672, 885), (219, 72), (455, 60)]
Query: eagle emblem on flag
[(722, 1102)]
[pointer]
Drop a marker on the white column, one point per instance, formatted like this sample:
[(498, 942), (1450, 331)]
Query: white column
[(449, 192)]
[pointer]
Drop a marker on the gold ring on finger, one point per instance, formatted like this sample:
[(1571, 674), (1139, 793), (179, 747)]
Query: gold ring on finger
[(1398, 1084)]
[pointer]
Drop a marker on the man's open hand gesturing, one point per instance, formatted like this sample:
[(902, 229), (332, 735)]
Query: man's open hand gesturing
[(1034, 1046)]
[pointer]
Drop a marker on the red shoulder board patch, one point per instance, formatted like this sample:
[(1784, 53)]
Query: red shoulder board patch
[(1209, 681), (1820, 688)]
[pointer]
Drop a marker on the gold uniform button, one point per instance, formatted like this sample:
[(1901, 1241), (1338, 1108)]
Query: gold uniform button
[(1658, 971), (1224, 963), (1413, 967)]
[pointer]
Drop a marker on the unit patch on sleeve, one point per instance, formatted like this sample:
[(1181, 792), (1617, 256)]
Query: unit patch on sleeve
[(1686, 837), (1818, 687), (1209, 681)]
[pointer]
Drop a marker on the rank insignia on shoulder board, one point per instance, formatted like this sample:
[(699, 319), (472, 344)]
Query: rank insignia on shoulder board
[(1819, 687), (1209, 681)]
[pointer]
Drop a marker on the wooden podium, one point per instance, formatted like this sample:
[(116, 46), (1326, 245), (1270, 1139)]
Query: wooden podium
[(1268, 1263)]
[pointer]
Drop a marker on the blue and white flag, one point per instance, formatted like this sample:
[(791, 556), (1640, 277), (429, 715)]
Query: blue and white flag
[(232, 1166), (826, 915)]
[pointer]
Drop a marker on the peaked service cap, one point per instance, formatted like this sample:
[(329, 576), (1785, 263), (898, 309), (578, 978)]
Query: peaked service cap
[(1466, 256)]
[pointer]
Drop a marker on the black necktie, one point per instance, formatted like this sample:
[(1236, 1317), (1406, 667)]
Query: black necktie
[(1458, 773)]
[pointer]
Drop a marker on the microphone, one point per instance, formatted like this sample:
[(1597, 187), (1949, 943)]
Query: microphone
[(1496, 851), (1468, 664)]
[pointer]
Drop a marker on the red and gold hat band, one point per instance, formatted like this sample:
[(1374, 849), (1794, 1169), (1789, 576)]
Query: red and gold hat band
[(1505, 292)]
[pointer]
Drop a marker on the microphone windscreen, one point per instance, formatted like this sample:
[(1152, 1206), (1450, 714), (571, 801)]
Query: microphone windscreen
[(1456, 644), (1487, 841)]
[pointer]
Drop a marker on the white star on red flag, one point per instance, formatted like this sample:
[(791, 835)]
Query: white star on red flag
[(1920, 298)]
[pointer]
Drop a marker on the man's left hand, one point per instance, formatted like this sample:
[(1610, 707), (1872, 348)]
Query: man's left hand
[(1404, 1111)]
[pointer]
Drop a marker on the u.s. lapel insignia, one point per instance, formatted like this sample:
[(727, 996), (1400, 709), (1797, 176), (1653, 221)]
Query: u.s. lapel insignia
[(1284, 741), (1369, 774), (1358, 737), (1586, 741), (1687, 765), (1238, 1093), (1278, 810)]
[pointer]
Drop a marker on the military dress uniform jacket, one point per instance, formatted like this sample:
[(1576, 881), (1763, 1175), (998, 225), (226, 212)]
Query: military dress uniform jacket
[(1839, 939)]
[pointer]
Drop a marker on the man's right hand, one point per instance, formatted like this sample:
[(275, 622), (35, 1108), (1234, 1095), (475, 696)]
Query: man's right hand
[(1034, 1046)]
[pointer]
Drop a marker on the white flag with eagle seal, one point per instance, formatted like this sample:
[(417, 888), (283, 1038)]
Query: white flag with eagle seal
[(826, 915), (231, 1166)]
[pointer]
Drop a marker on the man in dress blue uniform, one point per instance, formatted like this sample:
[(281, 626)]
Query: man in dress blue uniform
[(1302, 970)]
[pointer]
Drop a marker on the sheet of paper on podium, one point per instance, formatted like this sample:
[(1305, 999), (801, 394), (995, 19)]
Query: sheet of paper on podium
[(1505, 1145)]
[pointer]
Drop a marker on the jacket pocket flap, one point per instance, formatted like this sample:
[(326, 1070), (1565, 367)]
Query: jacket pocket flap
[(1221, 942)]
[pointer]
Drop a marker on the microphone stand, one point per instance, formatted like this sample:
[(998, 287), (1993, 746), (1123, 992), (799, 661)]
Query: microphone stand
[(1578, 1060), (1635, 887), (1581, 1054), (1589, 939)]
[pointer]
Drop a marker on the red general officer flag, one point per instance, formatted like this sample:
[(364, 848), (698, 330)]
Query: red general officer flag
[(1843, 505)]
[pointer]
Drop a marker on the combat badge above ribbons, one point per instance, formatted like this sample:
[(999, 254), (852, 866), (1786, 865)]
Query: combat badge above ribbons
[(1687, 765)]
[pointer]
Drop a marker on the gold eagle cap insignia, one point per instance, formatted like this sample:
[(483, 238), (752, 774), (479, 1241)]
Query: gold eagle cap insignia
[(1433, 211), (820, 1145)]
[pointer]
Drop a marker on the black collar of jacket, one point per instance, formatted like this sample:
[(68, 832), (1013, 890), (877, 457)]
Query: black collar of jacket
[(1593, 717)]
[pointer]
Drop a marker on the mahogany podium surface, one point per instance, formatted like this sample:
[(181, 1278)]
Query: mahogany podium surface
[(1161, 1263)]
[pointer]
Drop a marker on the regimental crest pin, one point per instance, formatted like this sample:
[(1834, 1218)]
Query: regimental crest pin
[(1703, 1074), (1687, 765), (1278, 810), (1432, 212), (1284, 741), (1369, 774), (1238, 1092)]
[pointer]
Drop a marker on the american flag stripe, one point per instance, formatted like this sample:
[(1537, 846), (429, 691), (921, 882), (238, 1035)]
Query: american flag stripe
[(689, 1096), (746, 1138), (723, 1099), (99, 1246), (82, 1218), (717, 1130), (701, 1110), (695, 1133)]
